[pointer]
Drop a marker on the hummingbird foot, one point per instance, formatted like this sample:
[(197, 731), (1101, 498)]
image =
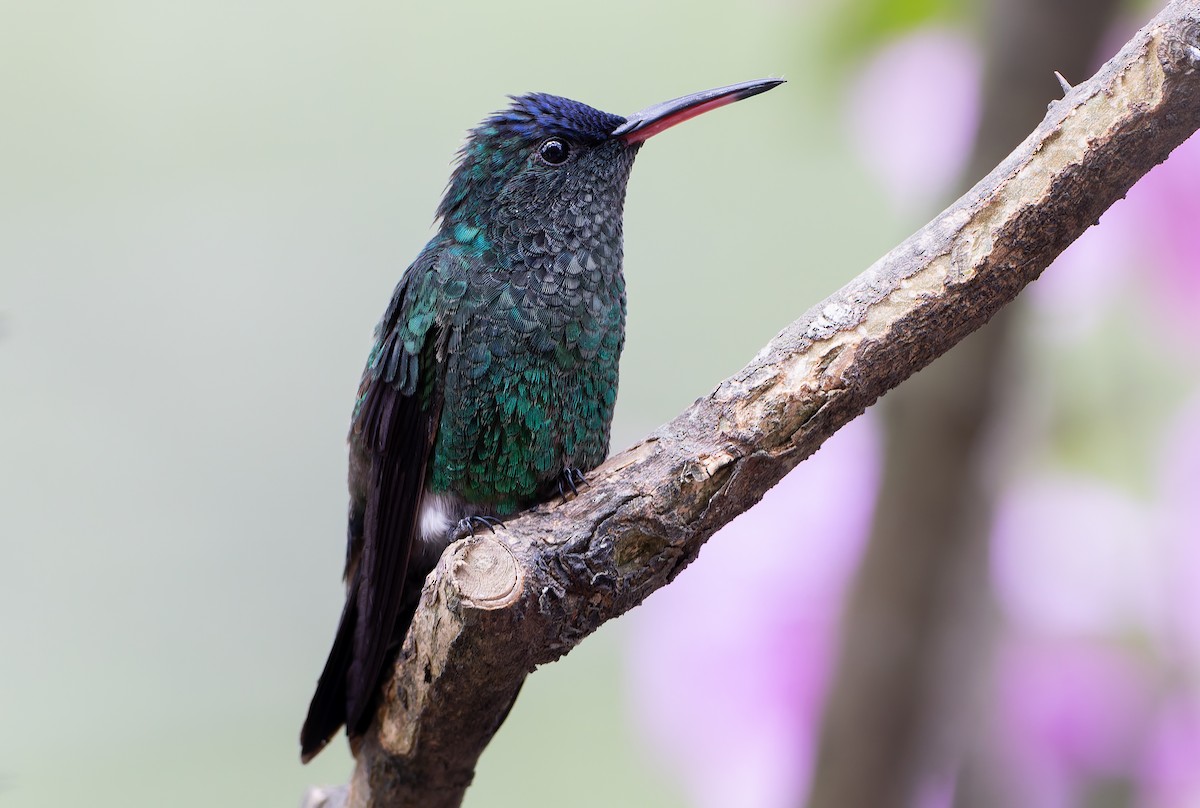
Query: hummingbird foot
[(466, 526), (570, 480)]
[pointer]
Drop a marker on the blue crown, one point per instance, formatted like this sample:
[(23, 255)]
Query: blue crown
[(540, 115)]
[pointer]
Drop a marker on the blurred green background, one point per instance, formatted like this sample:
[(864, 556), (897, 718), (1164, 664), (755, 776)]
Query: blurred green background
[(204, 208)]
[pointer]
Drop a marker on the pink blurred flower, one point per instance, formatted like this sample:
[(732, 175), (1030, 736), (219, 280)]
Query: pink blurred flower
[(1179, 525), (1166, 208), (728, 665), (913, 113), (1075, 293), (1149, 241), (1072, 556), (1069, 714), (1170, 773), (1098, 668), (1169, 776)]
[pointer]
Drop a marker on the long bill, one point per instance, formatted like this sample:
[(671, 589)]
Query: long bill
[(652, 120)]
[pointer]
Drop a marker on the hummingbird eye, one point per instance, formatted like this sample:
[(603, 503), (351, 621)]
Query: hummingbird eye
[(554, 151)]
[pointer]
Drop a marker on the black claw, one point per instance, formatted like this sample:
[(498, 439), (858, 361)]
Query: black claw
[(571, 478), (466, 525)]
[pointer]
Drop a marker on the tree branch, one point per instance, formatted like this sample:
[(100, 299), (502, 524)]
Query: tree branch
[(499, 606)]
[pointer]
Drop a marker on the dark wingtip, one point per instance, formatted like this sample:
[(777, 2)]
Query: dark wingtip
[(307, 754), (327, 710), (318, 730)]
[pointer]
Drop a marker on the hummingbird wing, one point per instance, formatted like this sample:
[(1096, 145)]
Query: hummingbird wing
[(391, 439)]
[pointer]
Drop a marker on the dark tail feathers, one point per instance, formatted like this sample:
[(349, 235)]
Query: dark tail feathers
[(327, 711)]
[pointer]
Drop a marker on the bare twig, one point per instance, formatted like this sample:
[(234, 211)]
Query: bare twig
[(497, 607)]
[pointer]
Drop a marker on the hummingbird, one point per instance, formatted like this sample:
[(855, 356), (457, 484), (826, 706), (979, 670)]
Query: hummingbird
[(493, 375)]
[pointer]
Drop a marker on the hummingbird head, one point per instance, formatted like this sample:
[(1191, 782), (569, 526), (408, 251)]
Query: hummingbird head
[(553, 163), (542, 148)]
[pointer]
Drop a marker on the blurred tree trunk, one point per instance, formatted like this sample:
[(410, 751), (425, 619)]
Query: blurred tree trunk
[(915, 635)]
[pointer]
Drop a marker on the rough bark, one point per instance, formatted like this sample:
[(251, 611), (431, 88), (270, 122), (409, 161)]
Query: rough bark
[(499, 606), (915, 631)]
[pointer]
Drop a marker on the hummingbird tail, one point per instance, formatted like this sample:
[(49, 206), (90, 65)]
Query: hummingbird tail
[(327, 711)]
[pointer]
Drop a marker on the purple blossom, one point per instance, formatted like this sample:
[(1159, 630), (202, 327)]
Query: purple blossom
[(1097, 666), (931, 75), (1179, 525), (1166, 212), (1170, 769), (1168, 772), (1148, 243), (728, 665), (1072, 556), (1070, 713)]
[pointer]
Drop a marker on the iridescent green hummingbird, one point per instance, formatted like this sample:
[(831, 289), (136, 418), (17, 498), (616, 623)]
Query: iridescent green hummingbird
[(494, 372)]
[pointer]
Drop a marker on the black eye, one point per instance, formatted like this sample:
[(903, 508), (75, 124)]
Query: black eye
[(554, 151)]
